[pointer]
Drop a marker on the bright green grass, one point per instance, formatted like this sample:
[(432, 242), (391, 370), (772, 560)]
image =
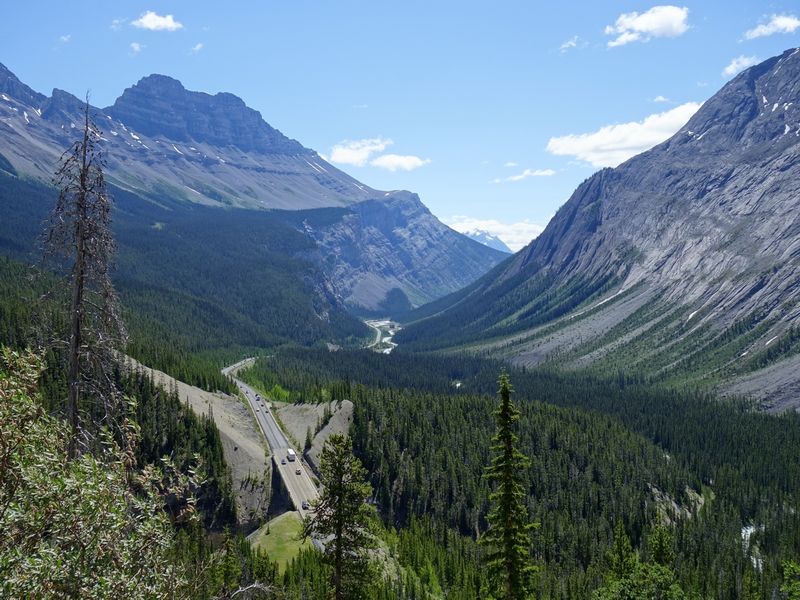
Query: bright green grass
[(281, 543)]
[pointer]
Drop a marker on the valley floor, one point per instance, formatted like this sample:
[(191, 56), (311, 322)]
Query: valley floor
[(385, 330)]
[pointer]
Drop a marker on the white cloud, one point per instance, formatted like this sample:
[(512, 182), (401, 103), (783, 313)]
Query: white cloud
[(511, 163), (397, 162), (64, 39), (358, 152), (156, 22), (740, 63), (136, 47), (117, 24), (659, 21), (660, 99), (571, 43), (514, 235), (776, 24), (196, 48), (527, 173), (614, 144)]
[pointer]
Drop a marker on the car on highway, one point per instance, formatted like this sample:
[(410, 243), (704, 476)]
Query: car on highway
[(297, 471), (258, 409), (305, 504)]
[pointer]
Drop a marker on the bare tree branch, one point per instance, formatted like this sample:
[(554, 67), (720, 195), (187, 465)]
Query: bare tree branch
[(78, 237)]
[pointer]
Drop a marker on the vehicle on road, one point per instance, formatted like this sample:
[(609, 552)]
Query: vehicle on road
[(283, 461), (258, 409), (297, 471), (305, 504), (290, 454)]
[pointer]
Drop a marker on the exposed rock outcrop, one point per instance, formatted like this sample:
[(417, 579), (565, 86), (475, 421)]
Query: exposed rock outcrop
[(704, 229), (168, 144)]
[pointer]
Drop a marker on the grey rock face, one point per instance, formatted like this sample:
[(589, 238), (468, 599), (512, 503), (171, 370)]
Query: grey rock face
[(710, 209), (708, 222), (162, 141), (11, 86), (160, 105), (395, 242)]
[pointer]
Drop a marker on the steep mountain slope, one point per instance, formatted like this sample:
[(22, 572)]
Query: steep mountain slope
[(371, 247), (192, 288), (161, 138), (169, 145), (681, 262)]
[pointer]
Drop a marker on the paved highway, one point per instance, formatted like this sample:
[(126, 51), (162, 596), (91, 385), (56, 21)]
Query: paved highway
[(300, 486)]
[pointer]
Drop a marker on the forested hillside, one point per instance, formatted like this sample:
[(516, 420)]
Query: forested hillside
[(189, 291), (614, 451)]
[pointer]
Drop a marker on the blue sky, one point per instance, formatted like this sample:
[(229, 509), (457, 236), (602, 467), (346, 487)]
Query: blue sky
[(492, 111)]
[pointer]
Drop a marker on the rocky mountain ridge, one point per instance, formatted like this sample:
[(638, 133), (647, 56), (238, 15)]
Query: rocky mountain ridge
[(371, 253), (160, 105), (160, 137), (684, 259), (167, 144)]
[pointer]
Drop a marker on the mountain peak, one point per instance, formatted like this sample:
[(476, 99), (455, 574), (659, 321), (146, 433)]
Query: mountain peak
[(160, 105), (756, 107), (12, 86), (654, 262), (488, 239), (157, 83)]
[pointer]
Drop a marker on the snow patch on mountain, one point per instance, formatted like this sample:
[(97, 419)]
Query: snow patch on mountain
[(487, 239)]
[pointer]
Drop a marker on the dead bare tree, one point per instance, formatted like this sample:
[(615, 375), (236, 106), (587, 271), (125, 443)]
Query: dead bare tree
[(78, 235)]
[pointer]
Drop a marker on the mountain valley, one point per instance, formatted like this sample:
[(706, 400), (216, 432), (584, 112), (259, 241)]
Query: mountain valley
[(681, 263), (231, 370)]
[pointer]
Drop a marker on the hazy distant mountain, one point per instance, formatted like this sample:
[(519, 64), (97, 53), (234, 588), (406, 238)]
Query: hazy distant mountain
[(162, 141), (487, 239), (682, 262)]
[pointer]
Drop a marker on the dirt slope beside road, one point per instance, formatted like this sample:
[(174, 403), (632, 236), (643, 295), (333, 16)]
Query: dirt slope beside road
[(243, 445), (297, 418)]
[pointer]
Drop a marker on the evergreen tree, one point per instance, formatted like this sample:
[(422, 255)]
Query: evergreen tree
[(630, 579), (343, 516), (622, 559), (645, 581), (791, 580), (508, 536), (659, 546), (309, 440)]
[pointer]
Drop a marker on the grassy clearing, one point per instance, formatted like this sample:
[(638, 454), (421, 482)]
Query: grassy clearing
[(279, 538)]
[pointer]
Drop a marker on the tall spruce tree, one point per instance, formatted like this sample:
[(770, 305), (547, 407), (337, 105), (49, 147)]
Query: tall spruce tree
[(621, 558), (343, 519), (508, 537)]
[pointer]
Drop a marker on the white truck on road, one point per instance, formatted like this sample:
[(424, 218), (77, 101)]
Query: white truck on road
[(290, 455)]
